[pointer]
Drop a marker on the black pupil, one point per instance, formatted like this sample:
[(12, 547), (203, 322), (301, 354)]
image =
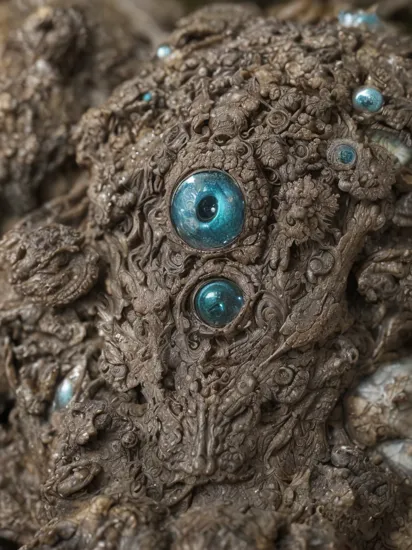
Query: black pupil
[(207, 208)]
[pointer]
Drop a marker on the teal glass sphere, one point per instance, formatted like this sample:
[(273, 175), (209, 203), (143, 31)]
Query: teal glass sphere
[(218, 302), (368, 100), (208, 210)]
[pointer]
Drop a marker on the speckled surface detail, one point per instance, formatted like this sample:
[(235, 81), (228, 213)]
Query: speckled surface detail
[(188, 433)]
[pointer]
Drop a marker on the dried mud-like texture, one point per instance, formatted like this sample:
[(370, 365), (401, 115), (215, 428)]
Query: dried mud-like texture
[(142, 422), (58, 59)]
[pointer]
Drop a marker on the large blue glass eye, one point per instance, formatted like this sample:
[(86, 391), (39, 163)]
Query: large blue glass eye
[(208, 210), (218, 302), (367, 99)]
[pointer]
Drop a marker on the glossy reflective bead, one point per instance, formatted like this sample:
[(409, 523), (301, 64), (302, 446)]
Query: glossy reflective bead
[(218, 302), (147, 96), (208, 210), (368, 100), (163, 51), (358, 19), (66, 389)]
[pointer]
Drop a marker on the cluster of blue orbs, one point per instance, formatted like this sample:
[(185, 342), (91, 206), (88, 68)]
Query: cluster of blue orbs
[(208, 213), (208, 207)]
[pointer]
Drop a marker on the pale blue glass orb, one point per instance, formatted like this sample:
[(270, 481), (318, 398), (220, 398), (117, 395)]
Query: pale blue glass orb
[(64, 393), (368, 100), (208, 210), (359, 18), (147, 96), (163, 51), (218, 302)]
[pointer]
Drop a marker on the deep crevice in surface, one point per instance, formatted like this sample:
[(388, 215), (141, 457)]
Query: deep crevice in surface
[(8, 544)]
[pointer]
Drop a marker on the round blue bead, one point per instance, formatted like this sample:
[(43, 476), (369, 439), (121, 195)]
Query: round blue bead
[(346, 154), (208, 210), (218, 302), (367, 99), (163, 51), (147, 96)]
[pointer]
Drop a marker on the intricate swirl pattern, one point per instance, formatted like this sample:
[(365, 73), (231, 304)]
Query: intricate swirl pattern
[(218, 321)]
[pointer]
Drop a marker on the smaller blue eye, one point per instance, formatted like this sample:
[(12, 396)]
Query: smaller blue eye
[(218, 302), (147, 96), (163, 51), (208, 210), (346, 154), (342, 155), (367, 99)]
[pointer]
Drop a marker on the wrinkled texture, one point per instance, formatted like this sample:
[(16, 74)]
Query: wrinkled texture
[(58, 59), (181, 435)]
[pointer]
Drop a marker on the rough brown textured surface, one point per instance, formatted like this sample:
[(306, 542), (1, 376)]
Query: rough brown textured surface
[(178, 434), (57, 60)]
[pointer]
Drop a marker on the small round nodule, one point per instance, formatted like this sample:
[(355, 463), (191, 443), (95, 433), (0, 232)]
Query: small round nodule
[(218, 302), (164, 50), (148, 96), (367, 100), (208, 210)]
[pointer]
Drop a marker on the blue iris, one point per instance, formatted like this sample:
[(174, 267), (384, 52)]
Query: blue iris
[(368, 99), (346, 154), (208, 210), (218, 302)]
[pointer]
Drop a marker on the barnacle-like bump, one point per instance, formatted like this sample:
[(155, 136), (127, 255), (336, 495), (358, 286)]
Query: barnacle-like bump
[(367, 99), (208, 210), (218, 302), (342, 154), (52, 264), (398, 455), (393, 145), (379, 407)]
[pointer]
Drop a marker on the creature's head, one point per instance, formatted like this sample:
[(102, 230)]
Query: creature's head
[(235, 184)]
